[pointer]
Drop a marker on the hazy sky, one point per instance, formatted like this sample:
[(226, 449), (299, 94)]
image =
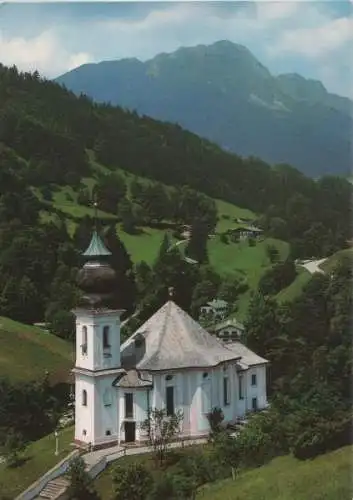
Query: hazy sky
[(313, 38)]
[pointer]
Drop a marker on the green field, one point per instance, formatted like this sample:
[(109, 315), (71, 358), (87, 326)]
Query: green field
[(295, 288), (38, 458), (227, 213), (27, 352), (328, 477)]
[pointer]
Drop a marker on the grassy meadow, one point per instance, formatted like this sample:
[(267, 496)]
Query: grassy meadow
[(38, 458), (27, 352), (327, 477)]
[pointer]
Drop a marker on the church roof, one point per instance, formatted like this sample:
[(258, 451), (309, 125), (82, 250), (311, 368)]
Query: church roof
[(96, 247), (133, 378), (248, 357), (173, 340)]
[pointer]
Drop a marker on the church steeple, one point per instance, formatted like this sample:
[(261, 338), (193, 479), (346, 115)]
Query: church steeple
[(96, 248), (96, 279)]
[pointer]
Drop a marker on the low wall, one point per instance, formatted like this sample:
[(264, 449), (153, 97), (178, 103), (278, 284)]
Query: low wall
[(58, 470)]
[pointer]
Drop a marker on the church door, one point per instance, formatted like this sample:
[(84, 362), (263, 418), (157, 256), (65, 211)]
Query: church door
[(130, 430)]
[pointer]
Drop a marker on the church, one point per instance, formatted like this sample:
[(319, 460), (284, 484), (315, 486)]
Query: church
[(170, 362)]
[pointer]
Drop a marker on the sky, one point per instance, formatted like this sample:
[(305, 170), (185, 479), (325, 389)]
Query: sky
[(314, 39)]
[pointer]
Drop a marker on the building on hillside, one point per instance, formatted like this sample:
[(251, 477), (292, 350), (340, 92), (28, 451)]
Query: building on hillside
[(170, 362), (229, 329), (215, 310), (244, 232)]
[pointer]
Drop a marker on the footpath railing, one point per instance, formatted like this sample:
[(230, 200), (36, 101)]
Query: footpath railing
[(58, 470), (97, 462)]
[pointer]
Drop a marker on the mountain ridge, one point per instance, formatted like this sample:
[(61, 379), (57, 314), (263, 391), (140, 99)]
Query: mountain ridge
[(223, 93)]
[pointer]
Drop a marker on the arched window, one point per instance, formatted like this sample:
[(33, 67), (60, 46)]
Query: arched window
[(106, 343), (84, 397), (84, 340)]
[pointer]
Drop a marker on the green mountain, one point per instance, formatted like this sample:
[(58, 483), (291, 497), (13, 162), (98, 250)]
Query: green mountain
[(223, 93)]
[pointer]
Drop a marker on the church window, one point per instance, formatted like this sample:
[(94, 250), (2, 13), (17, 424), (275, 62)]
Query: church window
[(240, 382), (253, 379), (106, 343), (84, 340), (84, 397), (170, 400), (107, 433), (169, 377), (129, 407), (226, 395)]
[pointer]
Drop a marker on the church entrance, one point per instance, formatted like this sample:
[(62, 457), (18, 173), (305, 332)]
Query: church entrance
[(130, 432)]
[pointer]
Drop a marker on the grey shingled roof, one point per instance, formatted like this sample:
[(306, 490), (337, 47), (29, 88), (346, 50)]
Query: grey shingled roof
[(248, 357), (173, 340), (133, 378), (228, 323)]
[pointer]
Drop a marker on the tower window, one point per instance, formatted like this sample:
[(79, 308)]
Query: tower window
[(226, 395), (106, 343), (84, 340), (170, 400), (240, 381), (84, 397), (253, 379)]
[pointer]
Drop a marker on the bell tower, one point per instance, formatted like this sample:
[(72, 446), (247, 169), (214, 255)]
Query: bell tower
[(97, 349)]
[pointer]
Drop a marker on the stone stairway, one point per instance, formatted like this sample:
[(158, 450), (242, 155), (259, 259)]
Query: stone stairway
[(54, 489)]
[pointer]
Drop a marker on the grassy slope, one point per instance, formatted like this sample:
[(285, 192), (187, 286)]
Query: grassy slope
[(332, 261), (38, 458), (232, 258), (103, 482), (26, 352), (328, 477), (294, 289)]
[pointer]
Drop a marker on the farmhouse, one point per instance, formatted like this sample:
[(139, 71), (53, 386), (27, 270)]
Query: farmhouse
[(244, 232), (170, 362), (216, 309), (229, 329)]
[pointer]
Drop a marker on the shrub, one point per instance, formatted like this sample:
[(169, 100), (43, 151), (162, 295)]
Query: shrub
[(132, 482)]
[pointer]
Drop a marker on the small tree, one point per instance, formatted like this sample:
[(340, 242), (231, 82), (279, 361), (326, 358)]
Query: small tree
[(12, 448), (81, 487), (215, 418), (131, 482), (272, 253), (228, 452), (161, 429)]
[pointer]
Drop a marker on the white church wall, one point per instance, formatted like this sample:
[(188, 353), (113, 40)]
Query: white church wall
[(84, 416), (106, 410), (139, 411), (97, 357), (258, 390)]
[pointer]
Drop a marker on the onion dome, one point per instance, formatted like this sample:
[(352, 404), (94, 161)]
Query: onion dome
[(96, 279)]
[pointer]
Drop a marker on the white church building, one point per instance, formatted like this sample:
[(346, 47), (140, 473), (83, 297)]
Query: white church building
[(170, 362)]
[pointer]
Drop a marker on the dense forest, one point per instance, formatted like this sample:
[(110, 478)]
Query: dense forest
[(46, 134)]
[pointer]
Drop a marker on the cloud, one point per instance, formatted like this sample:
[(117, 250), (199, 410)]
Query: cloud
[(317, 41), (311, 38), (43, 53)]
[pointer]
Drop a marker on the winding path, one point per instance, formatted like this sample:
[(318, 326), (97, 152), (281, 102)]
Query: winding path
[(313, 266)]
